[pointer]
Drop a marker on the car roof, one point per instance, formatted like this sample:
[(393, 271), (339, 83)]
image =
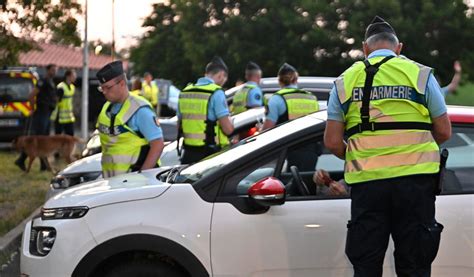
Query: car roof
[(320, 86), (461, 114), (310, 83)]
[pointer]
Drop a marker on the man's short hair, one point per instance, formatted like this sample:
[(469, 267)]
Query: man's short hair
[(147, 74), (216, 65), (49, 66), (384, 36)]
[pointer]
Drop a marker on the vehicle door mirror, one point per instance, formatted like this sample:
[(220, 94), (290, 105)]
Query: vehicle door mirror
[(267, 192)]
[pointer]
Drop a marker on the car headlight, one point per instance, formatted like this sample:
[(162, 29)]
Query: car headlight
[(63, 213), (42, 240)]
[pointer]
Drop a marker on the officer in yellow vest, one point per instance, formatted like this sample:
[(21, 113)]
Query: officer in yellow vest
[(136, 87), (394, 116), (150, 89), (63, 115), (203, 114), (289, 102), (129, 131), (250, 95)]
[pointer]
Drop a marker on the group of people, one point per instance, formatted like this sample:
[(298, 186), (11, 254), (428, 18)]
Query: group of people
[(128, 120), (54, 103), (147, 88), (388, 140)]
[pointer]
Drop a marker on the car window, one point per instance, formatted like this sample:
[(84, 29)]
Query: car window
[(308, 157), (459, 176), (238, 183)]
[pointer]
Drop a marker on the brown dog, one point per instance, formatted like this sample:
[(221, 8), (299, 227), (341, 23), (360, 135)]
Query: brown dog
[(44, 146)]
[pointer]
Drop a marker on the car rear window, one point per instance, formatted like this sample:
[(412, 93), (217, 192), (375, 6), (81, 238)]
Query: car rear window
[(15, 89)]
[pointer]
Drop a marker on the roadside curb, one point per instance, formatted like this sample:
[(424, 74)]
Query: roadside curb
[(11, 241)]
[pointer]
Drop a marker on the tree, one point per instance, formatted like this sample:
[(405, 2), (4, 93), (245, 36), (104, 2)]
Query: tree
[(26, 21), (318, 37)]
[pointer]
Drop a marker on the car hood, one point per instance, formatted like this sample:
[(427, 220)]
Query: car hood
[(87, 164), (126, 187)]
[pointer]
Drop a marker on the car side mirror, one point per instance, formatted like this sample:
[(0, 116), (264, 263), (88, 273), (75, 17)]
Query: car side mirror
[(268, 192)]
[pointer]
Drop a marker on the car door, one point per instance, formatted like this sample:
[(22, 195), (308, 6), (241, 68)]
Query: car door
[(303, 237), (455, 206)]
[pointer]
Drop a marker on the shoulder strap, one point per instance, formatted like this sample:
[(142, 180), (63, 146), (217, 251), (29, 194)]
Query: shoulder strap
[(370, 71), (366, 125)]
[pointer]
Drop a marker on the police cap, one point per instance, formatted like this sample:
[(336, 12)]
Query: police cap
[(110, 71), (378, 25), (286, 69)]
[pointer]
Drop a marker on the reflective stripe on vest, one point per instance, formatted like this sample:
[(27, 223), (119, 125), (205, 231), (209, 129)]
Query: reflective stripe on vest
[(298, 103), (64, 109), (397, 95), (121, 146), (150, 92), (193, 107), (240, 102)]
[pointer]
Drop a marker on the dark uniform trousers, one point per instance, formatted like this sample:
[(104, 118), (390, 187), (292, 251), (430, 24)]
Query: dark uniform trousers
[(403, 207)]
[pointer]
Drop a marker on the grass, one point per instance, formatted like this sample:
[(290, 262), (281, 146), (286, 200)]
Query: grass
[(464, 96), (20, 193)]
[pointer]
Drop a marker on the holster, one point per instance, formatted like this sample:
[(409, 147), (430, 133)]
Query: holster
[(442, 169)]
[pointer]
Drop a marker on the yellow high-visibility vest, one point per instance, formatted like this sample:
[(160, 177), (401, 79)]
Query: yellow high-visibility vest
[(298, 103), (121, 145), (64, 109), (397, 95), (193, 106)]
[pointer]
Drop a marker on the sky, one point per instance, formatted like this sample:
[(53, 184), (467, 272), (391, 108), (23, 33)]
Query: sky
[(129, 15)]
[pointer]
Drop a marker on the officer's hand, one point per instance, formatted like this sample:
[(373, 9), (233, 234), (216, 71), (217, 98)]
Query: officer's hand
[(336, 189)]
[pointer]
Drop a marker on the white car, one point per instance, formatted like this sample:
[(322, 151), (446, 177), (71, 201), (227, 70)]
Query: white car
[(89, 168), (243, 212)]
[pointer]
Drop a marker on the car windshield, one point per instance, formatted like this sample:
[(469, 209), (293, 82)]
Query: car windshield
[(15, 89), (212, 163)]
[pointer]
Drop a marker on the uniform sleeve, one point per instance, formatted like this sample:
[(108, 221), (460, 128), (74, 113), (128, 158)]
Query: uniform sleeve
[(276, 108), (255, 97), (334, 107), (434, 98), (218, 106), (145, 121), (445, 91)]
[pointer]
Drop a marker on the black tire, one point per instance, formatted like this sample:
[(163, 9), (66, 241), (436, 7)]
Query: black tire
[(144, 269)]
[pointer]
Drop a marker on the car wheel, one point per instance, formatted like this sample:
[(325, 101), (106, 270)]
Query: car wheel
[(144, 269)]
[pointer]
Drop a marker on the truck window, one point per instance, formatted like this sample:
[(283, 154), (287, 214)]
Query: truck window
[(15, 89)]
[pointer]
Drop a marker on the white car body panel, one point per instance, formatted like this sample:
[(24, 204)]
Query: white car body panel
[(70, 245), (187, 223), (111, 190)]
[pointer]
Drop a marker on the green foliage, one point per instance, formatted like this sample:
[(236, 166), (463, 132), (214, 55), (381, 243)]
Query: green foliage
[(318, 37), (463, 96), (25, 21)]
